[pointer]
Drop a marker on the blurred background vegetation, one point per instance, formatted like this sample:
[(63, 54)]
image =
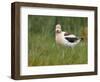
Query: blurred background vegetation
[(42, 49)]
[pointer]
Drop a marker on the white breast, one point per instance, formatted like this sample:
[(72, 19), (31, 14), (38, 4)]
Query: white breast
[(60, 38)]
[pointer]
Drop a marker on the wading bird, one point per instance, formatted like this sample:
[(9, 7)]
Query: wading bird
[(65, 38)]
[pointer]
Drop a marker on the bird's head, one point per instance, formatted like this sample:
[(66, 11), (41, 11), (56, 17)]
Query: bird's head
[(58, 28)]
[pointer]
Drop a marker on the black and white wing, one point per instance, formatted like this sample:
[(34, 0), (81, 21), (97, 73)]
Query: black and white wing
[(71, 39)]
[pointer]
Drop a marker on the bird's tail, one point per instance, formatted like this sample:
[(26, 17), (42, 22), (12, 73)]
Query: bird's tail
[(82, 39)]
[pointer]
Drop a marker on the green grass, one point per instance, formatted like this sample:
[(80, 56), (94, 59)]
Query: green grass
[(42, 49)]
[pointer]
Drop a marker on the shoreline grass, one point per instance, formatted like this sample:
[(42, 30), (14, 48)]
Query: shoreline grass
[(48, 53)]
